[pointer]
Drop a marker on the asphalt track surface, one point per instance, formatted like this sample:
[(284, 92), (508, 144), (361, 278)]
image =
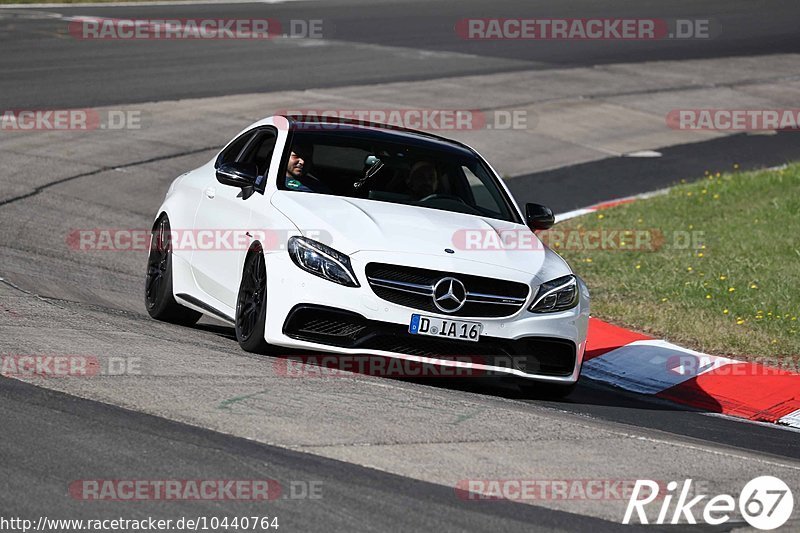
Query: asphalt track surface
[(365, 42), (49, 439), (91, 435)]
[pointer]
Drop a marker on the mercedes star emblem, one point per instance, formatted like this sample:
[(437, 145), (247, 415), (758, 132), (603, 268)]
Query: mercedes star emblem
[(449, 295)]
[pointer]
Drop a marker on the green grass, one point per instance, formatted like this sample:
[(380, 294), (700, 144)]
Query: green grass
[(736, 292)]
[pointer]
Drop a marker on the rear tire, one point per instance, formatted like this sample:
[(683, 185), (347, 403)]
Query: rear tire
[(158, 298), (251, 305)]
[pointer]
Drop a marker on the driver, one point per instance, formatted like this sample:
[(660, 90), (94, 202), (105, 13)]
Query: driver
[(297, 175), (422, 180)]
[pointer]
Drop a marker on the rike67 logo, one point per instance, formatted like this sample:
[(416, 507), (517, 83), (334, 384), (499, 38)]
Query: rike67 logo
[(765, 502)]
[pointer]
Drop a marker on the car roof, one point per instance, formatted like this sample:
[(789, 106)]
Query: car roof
[(380, 132)]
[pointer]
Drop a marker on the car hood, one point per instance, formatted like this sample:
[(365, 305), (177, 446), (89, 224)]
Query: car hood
[(351, 225)]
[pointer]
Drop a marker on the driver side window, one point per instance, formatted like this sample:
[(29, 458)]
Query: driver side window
[(231, 153), (259, 150)]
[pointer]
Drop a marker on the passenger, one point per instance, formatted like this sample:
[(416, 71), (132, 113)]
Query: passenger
[(422, 180)]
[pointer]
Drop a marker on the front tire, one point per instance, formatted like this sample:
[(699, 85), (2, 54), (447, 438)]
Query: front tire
[(158, 298), (251, 305)]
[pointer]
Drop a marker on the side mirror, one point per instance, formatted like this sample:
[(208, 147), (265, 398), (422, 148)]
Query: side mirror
[(539, 217), (238, 174)]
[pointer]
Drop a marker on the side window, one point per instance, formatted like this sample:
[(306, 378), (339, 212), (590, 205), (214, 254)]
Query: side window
[(259, 151), (233, 150), (483, 198), (487, 197)]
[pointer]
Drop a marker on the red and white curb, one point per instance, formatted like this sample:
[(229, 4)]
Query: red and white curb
[(645, 365), (561, 217)]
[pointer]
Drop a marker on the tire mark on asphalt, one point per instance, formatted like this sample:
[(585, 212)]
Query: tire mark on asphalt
[(100, 170)]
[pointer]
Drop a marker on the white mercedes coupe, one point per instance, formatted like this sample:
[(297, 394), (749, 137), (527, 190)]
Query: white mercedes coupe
[(364, 239)]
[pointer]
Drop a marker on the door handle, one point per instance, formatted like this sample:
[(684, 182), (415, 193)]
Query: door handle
[(211, 192)]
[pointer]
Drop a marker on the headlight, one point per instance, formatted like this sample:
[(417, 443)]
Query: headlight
[(322, 261), (559, 294)]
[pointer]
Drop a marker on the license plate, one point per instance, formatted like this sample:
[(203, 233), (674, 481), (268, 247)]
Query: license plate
[(444, 327)]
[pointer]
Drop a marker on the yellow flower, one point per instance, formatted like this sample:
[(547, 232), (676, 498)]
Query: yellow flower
[(638, 267), (708, 296), (689, 269), (664, 299), (718, 174), (731, 289), (699, 254), (736, 165), (723, 278), (601, 216), (691, 226), (706, 173), (704, 191), (753, 286), (724, 311), (640, 221), (588, 259), (689, 193), (739, 321), (716, 197)]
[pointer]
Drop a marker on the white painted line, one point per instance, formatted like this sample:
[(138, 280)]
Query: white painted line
[(644, 153), (575, 213), (592, 208), (141, 4)]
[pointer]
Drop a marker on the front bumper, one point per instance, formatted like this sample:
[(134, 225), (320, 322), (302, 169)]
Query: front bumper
[(308, 312)]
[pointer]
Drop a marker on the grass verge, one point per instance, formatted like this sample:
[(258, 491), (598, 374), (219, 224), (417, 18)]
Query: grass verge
[(721, 273)]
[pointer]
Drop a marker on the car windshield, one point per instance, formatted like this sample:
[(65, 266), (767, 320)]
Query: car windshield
[(432, 174)]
